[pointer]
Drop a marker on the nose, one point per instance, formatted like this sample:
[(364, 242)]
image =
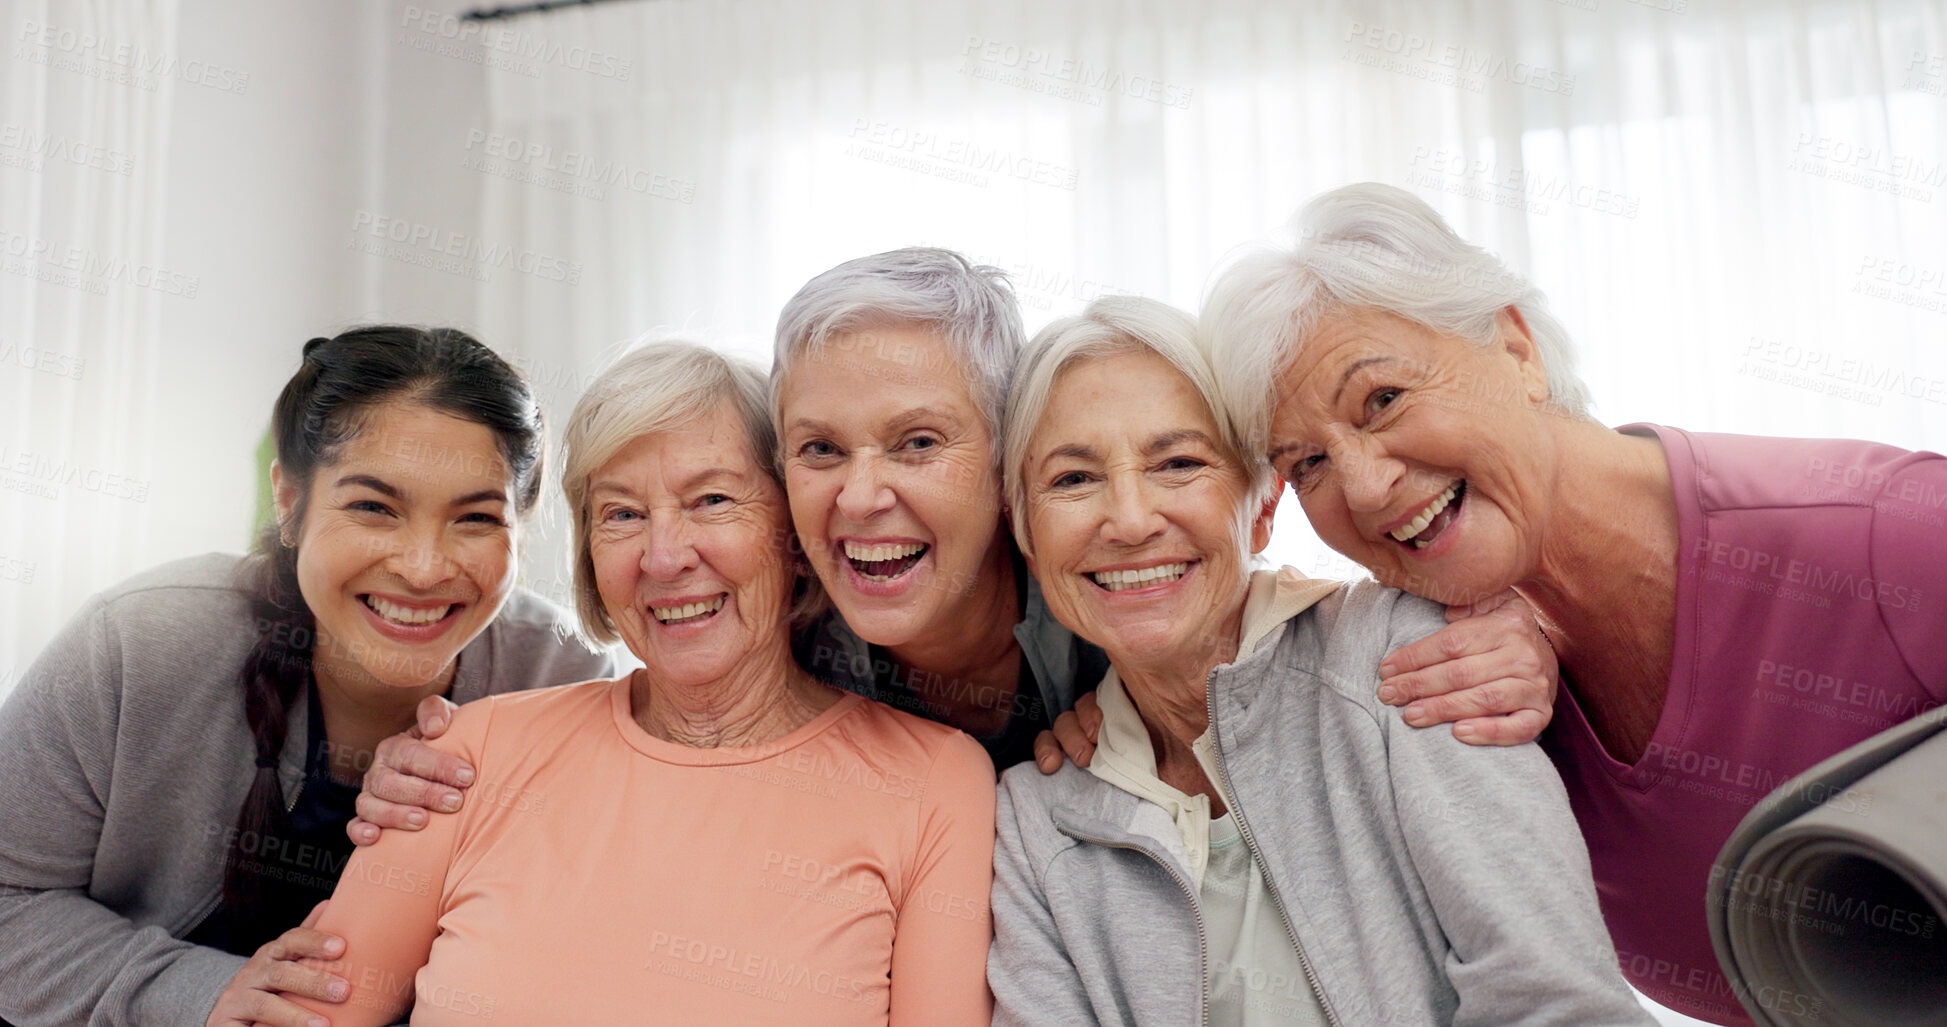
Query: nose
[(1132, 517), (423, 563), (865, 493), (669, 550), (1368, 475)]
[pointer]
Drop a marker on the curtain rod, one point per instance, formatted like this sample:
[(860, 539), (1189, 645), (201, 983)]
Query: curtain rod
[(540, 7)]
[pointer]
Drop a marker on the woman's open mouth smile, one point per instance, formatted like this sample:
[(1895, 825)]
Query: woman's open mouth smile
[(1153, 578), (408, 621), (688, 611), (882, 567), (1433, 520)]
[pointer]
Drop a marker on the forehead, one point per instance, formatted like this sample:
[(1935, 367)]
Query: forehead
[(865, 371), (1128, 391), (404, 443), (715, 440)]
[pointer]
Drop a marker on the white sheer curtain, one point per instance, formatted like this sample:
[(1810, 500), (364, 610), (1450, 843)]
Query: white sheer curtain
[(84, 130), (1739, 209)]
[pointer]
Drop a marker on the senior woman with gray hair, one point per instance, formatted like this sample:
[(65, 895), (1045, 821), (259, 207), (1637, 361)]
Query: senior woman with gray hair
[(1424, 406), (715, 838), (1258, 840)]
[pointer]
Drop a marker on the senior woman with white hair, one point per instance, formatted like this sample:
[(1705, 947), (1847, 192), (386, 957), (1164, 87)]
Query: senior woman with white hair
[(1424, 406), (1258, 840), (715, 838)]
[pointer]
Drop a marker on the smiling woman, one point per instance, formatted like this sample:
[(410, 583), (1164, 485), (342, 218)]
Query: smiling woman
[(191, 745)]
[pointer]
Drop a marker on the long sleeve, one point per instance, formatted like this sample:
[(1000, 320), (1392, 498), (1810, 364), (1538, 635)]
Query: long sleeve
[(940, 949), (64, 957), (1491, 836), (388, 901), (1033, 979)]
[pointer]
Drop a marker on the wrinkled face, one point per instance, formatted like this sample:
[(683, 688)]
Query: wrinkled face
[(1138, 521), (1420, 455), (408, 545), (891, 475), (691, 548)]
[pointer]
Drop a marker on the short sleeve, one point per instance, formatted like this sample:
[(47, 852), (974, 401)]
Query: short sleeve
[(1909, 565)]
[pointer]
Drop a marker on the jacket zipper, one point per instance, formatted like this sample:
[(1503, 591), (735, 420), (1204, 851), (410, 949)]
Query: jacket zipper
[(1196, 911), (289, 805), (1244, 828)]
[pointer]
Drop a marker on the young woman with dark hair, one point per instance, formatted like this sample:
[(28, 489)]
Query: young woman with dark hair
[(177, 768)]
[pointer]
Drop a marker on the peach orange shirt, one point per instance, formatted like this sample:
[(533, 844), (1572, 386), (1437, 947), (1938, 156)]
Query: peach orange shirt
[(597, 874)]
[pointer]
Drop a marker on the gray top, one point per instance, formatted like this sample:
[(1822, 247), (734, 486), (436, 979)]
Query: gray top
[(1426, 881), (124, 760)]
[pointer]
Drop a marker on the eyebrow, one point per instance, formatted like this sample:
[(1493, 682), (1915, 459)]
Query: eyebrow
[(600, 487), (391, 491), (1168, 439), (1073, 450), (1350, 371)]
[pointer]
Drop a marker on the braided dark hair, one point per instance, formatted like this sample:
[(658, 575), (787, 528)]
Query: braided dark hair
[(324, 406)]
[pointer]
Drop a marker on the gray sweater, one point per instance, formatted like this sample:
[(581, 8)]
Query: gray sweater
[(1426, 881), (124, 760)]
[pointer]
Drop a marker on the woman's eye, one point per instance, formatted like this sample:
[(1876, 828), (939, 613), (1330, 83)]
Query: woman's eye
[(1069, 480), (1182, 463), (618, 514), (713, 499), (1303, 467), (817, 449), (922, 443), (367, 506), (482, 518), (1380, 399)]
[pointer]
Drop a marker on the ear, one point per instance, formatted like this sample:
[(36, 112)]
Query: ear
[(1519, 343), (283, 495), (1261, 524)]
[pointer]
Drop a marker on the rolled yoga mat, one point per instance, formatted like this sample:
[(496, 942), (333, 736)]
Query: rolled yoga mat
[(1828, 905)]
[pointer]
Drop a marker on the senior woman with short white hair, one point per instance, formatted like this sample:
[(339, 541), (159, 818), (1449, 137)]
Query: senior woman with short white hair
[(714, 838), (1424, 405), (1258, 840)]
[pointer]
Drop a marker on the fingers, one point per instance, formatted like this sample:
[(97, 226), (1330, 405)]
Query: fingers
[(268, 1010), (413, 773), (376, 815), (1076, 741), (303, 943), (1508, 729), (433, 716), (1482, 698), (1047, 754), (1507, 597), (362, 831), (1463, 638), (317, 913), (1089, 712)]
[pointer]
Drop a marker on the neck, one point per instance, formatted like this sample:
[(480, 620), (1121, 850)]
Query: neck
[(1605, 592), (969, 669), (1172, 692), (765, 697), (360, 711)]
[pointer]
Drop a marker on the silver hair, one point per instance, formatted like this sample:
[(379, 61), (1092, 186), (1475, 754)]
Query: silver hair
[(1366, 247), (1108, 326), (970, 305), (664, 385)]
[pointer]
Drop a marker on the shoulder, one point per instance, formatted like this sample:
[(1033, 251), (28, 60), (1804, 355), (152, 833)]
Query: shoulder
[(184, 592), (177, 630), (1744, 472), (534, 640), (529, 720), (1347, 632), (935, 752)]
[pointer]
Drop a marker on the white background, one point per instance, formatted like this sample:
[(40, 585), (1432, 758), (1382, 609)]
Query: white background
[(1738, 209)]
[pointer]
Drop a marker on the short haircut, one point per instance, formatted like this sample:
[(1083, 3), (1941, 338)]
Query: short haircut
[(969, 305), (660, 386), (1365, 247), (1108, 326)]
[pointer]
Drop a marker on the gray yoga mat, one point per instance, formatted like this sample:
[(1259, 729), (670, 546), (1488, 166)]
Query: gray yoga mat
[(1828, 905)]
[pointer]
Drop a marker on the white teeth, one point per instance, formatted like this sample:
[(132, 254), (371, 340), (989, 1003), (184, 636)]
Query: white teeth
[(1418, 524), (404, 614), (688, 611), (1116, 581), (882, 551)]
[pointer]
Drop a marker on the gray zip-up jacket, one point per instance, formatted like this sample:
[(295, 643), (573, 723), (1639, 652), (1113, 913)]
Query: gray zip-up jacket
[(1425, 881), (124, 760)]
